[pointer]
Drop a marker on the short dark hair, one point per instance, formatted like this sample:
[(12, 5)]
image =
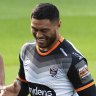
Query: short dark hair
[(45, 11)]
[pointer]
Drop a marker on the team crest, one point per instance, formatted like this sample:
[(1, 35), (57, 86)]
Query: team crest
[(53, 71)]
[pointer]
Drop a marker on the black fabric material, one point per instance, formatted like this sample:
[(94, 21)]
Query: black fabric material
[(91, 91), (24, 89)]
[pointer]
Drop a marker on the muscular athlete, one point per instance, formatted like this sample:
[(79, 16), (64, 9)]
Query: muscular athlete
[(50, 66)]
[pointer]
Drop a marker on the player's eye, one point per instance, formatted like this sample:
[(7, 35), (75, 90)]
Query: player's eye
[(34, 30), (44, 30)]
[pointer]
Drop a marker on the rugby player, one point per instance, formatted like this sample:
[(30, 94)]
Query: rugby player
[(50, 66)]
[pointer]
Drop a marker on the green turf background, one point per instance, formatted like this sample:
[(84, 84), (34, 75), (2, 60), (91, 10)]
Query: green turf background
[(78, 25)]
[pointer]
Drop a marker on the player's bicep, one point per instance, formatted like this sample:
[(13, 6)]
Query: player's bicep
[(21, 79), (83, 72), (21, 73), (81, 78)]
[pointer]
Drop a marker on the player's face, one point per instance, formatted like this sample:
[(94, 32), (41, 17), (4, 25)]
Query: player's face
[(44, 32)]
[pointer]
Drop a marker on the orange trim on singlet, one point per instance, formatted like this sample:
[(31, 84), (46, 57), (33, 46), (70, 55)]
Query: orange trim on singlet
[(54, 47), (84, 87), (61, 39), (21, 79)]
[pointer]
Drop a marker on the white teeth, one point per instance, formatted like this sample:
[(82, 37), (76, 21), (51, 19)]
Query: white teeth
[(41, 40)]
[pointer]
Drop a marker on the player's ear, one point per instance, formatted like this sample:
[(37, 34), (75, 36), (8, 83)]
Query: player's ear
[(58, 24)]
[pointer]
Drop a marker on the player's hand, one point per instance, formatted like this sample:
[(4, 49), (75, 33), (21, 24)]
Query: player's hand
[(11, 90)]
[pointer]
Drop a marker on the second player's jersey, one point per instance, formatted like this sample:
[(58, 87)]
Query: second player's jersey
[(62, 71)]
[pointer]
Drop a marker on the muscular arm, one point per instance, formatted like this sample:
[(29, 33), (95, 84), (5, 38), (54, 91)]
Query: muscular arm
[(21, 79), (18, 88), (2, 74), (81, 78)]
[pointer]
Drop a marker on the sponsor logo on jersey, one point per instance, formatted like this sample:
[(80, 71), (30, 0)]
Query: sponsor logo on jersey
[(83, 72), (38, 92), (27, 62), (77, 55)]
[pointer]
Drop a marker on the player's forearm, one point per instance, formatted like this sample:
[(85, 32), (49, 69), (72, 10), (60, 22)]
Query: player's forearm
[(2, 73), (2, 78)]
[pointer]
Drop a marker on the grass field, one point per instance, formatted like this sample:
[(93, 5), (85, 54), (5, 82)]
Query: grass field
[(78, 25)]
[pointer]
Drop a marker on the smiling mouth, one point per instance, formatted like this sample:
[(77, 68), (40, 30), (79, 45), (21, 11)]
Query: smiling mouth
[(41, 40)]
